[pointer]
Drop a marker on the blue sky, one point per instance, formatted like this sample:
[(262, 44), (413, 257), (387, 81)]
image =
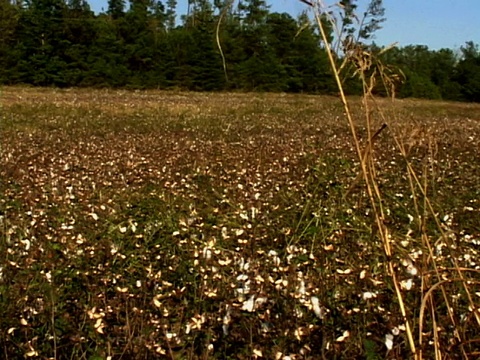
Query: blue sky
[(435, 23)]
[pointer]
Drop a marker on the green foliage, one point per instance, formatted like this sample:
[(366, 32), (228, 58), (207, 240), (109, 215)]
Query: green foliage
[(9, 17), (468, 72), (64, 44), (419, 86), (373, 17), (354, 28), (440, 74), (370, 350), (51, 42)]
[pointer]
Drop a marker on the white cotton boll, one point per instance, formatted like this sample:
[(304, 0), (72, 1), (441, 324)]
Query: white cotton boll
[(406, 284), (258, 352), (260, 301), (27, 244), (207, 253), (225, 233), (368, 295), (316, 307), (389, 341), (249, 305), (404, 243), (31, 353), (412, 270), (344, 336), (156, 302), (363, 273), (301, 288), (114, 249)]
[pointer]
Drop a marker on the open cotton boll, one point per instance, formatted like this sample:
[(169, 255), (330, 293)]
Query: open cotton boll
[(249, 305), (389, 341), (316, 307)]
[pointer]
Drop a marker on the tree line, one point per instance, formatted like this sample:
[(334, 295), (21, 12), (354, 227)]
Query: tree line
[(146, 44)]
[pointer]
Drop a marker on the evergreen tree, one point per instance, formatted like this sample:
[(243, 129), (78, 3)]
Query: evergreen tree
[(203, 61), (63, 43), (79, 31), (255, 11), (372, 19), (365, 27), (42, 45), (310, 60), (444, 62), (257, 66), (417, 64), (106, 63), (468, 72), (170, 16), (9, 17), (116, 8)]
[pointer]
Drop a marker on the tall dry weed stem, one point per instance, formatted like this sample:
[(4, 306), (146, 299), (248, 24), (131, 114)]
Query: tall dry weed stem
[(371, 71)]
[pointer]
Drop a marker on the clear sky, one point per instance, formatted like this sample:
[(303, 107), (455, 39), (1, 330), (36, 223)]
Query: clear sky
[(435, 23)]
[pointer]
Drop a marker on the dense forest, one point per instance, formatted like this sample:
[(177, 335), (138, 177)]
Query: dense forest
[(146, 44)]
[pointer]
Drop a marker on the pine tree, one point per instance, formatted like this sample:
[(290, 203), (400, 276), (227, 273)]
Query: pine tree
[(468, 72), (171, 14), (41, 43), (254, 11), (116, 8), (9, 17)]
